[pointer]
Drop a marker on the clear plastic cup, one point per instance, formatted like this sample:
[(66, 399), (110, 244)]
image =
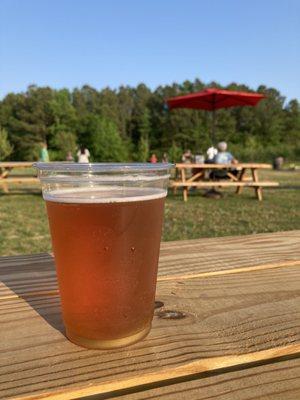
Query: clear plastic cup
[(105, 222)]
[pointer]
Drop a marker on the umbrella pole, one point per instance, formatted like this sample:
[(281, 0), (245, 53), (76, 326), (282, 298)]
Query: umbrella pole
[(213, 131)]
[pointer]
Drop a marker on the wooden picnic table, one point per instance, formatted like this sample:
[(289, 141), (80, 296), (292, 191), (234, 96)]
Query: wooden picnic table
[(6, 168), (196, 175), (226, 327)]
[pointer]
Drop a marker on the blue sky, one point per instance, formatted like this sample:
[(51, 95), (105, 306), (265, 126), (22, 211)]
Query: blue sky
[(68, 43)]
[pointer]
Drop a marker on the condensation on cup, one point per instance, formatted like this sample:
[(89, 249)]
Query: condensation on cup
[(105, 222)]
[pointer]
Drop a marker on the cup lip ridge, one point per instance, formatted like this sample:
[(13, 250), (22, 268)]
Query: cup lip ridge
[(102, 167)]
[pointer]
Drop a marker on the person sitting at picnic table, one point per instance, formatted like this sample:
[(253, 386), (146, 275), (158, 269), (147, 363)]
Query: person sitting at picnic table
[(211, 153), (223, 157), (153, 159), (165, 158), (187, 157)]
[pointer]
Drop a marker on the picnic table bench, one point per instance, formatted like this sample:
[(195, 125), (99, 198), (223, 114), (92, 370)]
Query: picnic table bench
[(226, 327), (198, 177), (6, 168)]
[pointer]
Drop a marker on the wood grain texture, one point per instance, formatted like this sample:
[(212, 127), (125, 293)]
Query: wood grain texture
[(250, 312), (30, 274), (230, 320), (217, 254), (22, 275), (279, 381)]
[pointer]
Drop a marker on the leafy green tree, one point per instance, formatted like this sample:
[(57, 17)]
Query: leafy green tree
[(292, 122), (106, 144), (5, 147), (86, 100), (27, 118), (125, 110), (144, 124), (175, 153), (62, 143), (269, 117), (140, 120), (143, 150), (109, 107), (63, 139), (62, 111), (136, 118)]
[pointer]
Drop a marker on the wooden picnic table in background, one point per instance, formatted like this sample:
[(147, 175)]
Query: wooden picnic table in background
[(199, 177), (226, 327), (6, 177)]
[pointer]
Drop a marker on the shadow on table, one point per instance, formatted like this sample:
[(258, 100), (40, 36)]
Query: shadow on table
[(33, 279), (48, 307)]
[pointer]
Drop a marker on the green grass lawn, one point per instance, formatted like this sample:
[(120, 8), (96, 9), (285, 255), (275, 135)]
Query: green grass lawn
[(24, 227)]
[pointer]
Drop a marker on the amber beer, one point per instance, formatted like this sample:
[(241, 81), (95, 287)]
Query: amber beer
[(106, 247)]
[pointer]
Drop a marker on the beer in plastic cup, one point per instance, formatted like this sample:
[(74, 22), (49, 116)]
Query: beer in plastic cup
[(105, 222)]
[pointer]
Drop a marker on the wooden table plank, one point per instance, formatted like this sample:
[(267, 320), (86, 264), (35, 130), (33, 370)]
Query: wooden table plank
[(218, 254), (230, 320), (16, 164), (268, 382), (35, 273), (222, 166), (20, 179), (205, 184), (236, 181), (6, 179)]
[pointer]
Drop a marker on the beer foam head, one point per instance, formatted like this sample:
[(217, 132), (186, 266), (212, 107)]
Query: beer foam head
[(104, 194)]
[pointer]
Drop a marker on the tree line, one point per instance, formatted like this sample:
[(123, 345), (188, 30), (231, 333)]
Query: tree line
[(130, 123)]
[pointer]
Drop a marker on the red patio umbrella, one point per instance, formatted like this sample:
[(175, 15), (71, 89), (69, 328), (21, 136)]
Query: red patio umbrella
[(213, 99)]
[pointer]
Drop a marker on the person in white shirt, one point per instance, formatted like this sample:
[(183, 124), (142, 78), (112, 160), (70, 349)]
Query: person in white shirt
[(83, 155), (211, 153)]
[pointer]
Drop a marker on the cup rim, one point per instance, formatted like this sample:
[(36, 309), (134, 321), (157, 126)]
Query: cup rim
[(102, 167)]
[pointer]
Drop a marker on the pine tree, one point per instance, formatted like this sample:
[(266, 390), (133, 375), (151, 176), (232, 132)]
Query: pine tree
[(143, 150), (5, 147), (106, 143)]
